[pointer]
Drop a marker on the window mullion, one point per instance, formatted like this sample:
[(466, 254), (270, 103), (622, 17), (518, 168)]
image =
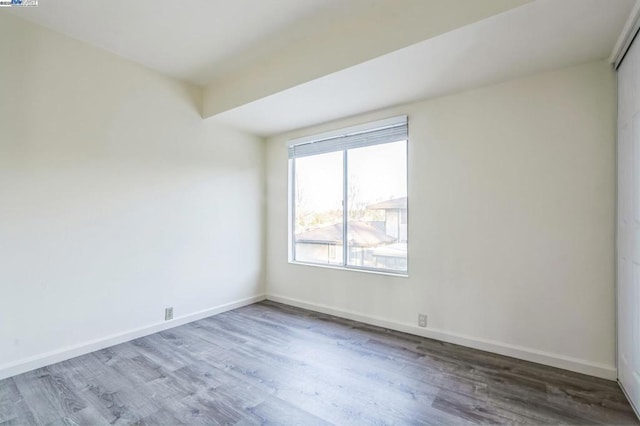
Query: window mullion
[(293, 209), (345, 216)]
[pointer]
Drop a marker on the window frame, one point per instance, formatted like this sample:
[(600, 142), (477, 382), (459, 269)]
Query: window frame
[(362, 128)]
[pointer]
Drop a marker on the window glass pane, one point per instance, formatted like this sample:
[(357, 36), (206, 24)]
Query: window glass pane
[(377, 206), (318, 210)]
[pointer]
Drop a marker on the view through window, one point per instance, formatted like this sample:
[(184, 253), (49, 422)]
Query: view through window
[(349, 200)]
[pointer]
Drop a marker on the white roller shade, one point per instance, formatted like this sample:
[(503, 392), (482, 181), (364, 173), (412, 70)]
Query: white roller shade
[(379, 132)]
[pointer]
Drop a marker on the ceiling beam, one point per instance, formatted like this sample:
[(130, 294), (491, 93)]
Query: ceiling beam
[(380, 28)]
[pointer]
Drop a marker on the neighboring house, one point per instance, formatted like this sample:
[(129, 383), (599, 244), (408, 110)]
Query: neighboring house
[(392, 256), (324, 244), (371, 244), (395, 212)]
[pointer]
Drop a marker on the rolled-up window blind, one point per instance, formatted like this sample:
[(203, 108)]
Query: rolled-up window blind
[(384, 131)]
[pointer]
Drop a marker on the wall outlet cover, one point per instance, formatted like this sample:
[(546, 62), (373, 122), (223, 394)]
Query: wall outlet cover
[(422, 320)]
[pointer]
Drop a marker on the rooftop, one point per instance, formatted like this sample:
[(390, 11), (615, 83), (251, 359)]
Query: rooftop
[(396, 203), (360, 234)]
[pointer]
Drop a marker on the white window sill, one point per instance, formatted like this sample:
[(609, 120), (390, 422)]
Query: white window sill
[(398, 274)]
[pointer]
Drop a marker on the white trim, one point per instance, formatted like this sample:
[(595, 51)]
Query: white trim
[(388, 272), (624, 391), (387, 122), (42, 360), (291, 210), (345, 208), (528, 354), (627, 35)]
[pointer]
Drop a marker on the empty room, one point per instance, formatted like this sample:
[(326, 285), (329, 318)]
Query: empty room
[(315, 212)]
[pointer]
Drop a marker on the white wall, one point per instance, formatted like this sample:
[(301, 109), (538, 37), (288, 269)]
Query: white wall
[(511, 223), (116, 200)]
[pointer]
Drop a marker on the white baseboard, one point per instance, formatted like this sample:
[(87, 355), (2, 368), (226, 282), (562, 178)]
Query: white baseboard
[(528, 354), (42, 360)]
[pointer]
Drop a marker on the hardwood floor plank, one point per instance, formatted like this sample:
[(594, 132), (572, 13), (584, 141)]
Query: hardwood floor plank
[(52, 396), (157, 350), (210, 331), (199, 375), (162, 417), (86, 416), (472, 409), (275, 411), (139, 370), (13, 407), (122, 406)]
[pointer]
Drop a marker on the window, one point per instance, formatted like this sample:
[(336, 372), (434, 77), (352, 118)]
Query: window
[(348, 197)]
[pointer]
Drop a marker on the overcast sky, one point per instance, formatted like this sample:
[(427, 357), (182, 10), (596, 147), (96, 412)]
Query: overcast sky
[(379, 172)]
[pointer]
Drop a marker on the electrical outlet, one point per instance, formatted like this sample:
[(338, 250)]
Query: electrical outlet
[(168, 314), (422, 320)]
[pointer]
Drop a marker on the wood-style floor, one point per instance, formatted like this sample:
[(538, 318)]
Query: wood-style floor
[(270, 363)]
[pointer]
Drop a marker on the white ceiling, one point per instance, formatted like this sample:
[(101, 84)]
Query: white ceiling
[(193, 40), (539, 36)]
